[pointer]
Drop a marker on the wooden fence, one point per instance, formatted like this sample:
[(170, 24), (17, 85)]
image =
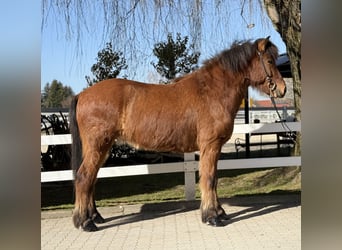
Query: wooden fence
[(190, 165)]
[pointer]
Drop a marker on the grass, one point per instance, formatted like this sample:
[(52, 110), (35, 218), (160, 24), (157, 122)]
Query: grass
[(170, 187)]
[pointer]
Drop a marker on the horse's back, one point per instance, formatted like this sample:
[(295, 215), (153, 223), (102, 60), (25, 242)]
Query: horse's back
[(108, 96), (106, 89), (150, 116)]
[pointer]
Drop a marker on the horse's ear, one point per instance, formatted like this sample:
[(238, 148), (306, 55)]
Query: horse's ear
[(262, 43)]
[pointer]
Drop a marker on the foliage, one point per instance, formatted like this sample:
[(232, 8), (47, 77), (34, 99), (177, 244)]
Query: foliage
[(56, 95), (175, 57), (109, 65)]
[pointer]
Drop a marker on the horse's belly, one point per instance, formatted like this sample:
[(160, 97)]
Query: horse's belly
[(159, 119), (167, 140)]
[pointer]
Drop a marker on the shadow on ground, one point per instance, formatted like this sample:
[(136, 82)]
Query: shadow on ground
[(255, 205)]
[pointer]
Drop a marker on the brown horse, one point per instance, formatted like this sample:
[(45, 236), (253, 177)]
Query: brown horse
[(195, 112)]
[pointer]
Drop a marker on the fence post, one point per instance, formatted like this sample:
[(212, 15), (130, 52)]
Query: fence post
[(190, 168)]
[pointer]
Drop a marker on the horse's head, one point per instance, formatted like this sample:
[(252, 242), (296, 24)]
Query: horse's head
[(264, 74)]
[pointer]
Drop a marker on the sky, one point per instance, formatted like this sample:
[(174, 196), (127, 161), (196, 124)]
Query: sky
[(61, 60)]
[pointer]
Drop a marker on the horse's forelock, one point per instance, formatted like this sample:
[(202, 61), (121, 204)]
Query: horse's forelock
[(272, 50)]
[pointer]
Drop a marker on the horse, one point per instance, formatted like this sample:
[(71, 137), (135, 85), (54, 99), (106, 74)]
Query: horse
[(194, 113)]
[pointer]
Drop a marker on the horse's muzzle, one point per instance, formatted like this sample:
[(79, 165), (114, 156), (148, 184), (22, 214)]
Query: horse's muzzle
[(280, 93)]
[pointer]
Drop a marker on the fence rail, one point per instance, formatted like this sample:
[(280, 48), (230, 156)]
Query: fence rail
[(189, 166)]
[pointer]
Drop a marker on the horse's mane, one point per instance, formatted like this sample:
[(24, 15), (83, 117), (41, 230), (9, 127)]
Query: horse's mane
[(238, 57)]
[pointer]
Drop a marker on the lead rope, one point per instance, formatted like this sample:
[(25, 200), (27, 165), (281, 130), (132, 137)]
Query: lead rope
[(288, 132), (272, 86)]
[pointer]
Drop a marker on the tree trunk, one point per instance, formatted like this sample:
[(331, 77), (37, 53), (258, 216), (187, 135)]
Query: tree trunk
[(286, 18)]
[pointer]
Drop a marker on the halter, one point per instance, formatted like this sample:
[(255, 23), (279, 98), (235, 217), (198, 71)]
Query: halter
[(271, 85)]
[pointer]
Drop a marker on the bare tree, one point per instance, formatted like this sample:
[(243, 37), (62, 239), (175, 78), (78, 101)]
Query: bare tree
[(286, 18)]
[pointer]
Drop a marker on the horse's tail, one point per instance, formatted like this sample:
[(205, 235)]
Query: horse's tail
[(76, 146)]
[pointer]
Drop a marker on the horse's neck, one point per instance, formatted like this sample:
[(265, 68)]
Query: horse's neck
[(230, 90), (235, 99)]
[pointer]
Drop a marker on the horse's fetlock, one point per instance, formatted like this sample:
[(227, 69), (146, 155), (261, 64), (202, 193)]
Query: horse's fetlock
[(76, 219)]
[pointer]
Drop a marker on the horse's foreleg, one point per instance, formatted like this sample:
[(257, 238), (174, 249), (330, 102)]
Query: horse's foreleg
[(211, 210), (220, 211)]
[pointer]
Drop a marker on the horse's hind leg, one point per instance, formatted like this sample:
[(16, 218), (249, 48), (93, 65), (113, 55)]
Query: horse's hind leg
[(84, 181), (95, 215), (85, 212)]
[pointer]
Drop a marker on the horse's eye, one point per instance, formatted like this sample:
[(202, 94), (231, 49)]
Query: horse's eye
[(269, 61)]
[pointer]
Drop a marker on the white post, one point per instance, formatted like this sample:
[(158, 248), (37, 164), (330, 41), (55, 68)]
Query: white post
[(190, 168)]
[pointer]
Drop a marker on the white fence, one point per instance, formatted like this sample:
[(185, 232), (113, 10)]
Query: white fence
[(189, 166)]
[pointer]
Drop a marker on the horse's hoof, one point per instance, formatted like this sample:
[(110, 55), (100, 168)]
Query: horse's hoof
[(223, 216), (98, 218), (89, 226), (215, 222)]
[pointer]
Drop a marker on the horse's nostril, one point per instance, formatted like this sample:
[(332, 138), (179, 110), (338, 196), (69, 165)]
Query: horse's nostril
[(280, 93)]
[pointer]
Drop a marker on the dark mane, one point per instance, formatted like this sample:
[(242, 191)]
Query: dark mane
[(238, 57)]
